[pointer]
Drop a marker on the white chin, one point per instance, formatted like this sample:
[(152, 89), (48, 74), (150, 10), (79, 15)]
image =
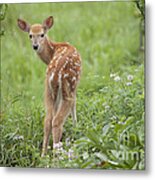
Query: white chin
[(39, 50)]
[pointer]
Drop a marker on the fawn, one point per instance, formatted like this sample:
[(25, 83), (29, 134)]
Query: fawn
[(62, 77)]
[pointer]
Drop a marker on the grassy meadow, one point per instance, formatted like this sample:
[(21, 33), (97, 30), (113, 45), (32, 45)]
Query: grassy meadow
[(110, 97)]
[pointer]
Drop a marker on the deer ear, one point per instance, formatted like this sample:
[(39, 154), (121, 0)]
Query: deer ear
[(48, 23), (23, 25)]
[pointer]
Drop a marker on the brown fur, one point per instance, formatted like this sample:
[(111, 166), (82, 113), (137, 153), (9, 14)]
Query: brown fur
[(36, 28), (56, 115), (62, 77)]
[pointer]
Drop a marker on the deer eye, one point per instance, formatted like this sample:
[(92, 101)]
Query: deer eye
[(42, 35), (30, 36)]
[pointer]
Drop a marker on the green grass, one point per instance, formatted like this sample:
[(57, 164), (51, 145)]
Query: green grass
[(110, 110)]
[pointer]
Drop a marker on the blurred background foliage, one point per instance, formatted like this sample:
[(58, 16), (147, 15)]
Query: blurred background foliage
[(3, 10), (108, 37)]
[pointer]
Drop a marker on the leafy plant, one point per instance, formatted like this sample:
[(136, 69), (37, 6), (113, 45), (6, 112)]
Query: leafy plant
[(3, 10)]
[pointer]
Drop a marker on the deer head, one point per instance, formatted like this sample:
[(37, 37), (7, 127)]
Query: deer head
[(37, 32)]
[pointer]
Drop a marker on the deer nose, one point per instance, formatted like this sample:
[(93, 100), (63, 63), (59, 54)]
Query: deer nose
[(35, 47)]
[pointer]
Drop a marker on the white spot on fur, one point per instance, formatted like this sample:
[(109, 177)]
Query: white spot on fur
[(75, 55), (73, 71), (74, 78), (54, 57), (64, 66), (77, 64), (59, 57), (64, 50), (66, 75)]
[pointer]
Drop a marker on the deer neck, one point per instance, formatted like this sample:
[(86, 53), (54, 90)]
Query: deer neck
[(47, 51)]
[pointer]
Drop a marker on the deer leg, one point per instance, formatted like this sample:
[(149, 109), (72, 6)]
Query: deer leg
[(73, 112), (47, 130), (58, 121), (48, 119)]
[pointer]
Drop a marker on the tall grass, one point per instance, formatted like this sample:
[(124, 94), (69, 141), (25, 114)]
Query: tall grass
[(107, 37)]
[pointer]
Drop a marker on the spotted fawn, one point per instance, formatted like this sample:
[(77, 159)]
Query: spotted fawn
[(62, 77)]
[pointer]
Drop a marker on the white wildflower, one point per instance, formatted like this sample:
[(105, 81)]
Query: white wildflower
[(107, 107), (68, 143), (112, 75), (119, 122), (113, 117), (129, 83), (61, 158), (117, 78), (18, 137), (103, 104), (130, 77), (70, 154), (85, 155), (136, 70)]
